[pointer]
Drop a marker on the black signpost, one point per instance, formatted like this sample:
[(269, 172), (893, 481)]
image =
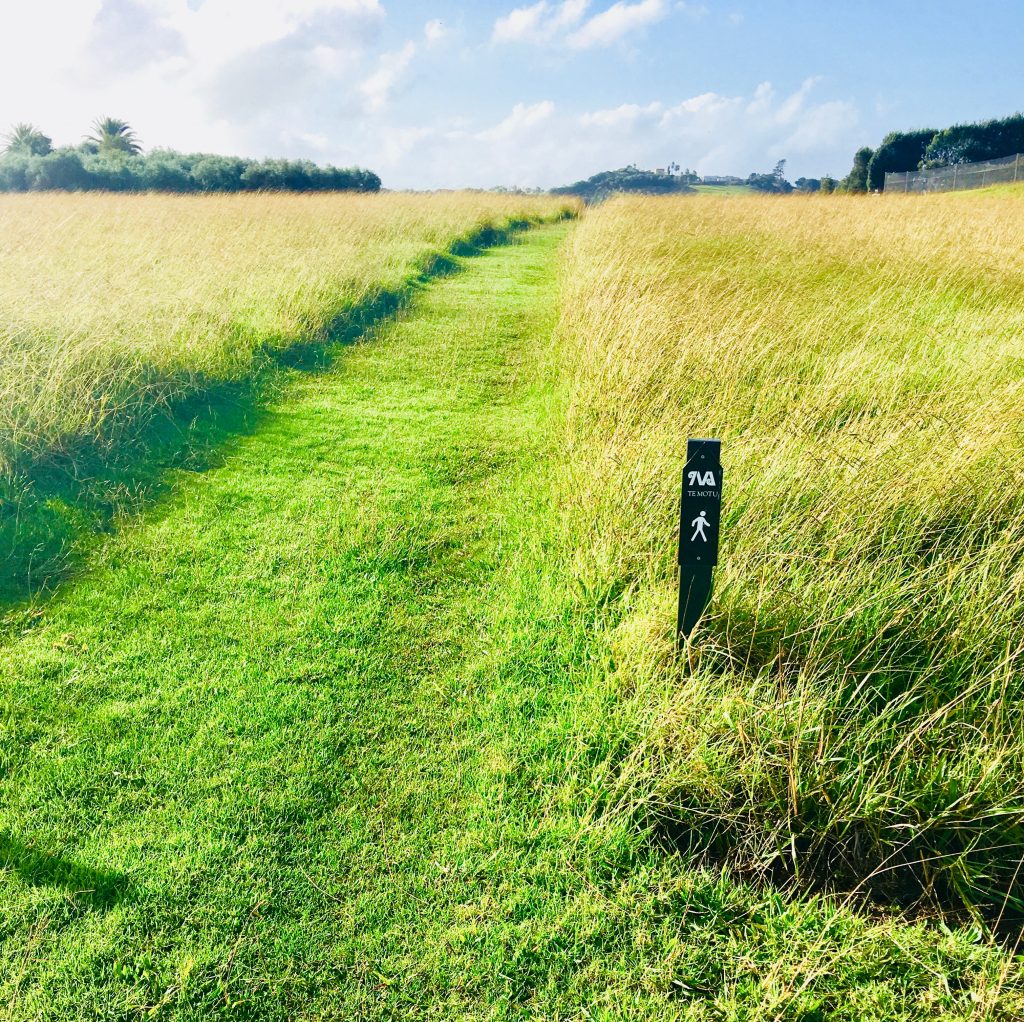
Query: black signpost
[(700, 512)]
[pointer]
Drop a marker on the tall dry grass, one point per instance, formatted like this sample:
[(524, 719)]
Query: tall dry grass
[(851, 709), (113, 305)]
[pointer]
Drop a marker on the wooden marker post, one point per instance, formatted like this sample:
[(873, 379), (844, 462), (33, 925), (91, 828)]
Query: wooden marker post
[(700, 512)]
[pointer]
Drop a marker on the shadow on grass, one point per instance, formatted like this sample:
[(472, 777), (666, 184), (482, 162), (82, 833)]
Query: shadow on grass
[(89, 887), (61, 502), (955, 877)]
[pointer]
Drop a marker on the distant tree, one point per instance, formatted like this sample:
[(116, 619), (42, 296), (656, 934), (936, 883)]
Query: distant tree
[(627, 179), (774, 182), (972, 143), (27, 140), (218, 173), (807, 184), (114, 166), (828, 184), (60, 170), (113, 136), (111, 171), (164, 170), (14, 172), (856, 182), (900, 151), (360, 179)]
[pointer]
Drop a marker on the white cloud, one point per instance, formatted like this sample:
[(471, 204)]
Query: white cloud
[(736, 132), (207, 75), (697, 12), (539, 23), (619, 20), (219, 29), (129, 34), (543, 144), (545, 22), (520, 123), (434, 31), (378, 87), (521, 24), (625, 115), (308, 78)]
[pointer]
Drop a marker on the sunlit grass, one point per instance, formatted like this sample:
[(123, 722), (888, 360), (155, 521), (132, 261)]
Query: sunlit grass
[(137, 332), (335, 732), (854, 709), (110, 305)]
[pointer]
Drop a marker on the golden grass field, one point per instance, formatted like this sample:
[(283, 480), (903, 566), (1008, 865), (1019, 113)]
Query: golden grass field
[(111, 304), (852, 707)]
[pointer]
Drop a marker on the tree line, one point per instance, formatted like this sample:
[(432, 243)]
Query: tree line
[(111, 158), (676, 180), (627, 179), (924, 148), (776, 182)]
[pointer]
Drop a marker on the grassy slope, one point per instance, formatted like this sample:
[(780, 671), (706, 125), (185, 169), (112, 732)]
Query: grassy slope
[(326, 736)]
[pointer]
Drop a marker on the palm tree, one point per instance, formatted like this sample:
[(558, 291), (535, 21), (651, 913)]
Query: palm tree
[(27, 139), (114, 136)]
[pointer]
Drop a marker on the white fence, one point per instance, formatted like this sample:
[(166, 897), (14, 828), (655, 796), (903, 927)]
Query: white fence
[(1007, 170)]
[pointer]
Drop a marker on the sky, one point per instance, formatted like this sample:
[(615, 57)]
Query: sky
[(445, 95)]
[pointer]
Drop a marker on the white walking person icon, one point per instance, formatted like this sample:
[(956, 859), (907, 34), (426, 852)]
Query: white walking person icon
[(700, 523)]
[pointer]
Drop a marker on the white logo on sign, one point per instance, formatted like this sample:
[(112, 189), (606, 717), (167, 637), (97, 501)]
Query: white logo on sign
[(702, 478), (700, 523)]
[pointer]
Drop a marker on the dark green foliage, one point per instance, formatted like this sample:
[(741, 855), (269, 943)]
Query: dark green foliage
[(828, 184), (807, 184), (627, 179), (774, 182), (900, 151), (93, 167), (690, 177), (114, 136), (113, 172), (14, 172), (60, 170), (856, 181), (27, 140), (972, 143), (218, 173), (167, 171)]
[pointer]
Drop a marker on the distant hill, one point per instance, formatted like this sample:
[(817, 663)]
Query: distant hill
[(628, 179)]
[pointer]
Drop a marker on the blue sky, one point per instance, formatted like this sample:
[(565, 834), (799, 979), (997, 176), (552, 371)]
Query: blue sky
[(440, 94)]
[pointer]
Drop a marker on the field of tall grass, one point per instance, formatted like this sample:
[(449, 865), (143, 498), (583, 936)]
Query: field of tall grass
[(851, 711), (117, 311), (450, 557)]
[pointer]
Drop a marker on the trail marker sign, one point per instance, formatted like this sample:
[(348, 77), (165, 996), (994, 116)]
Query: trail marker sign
[(700, 512)]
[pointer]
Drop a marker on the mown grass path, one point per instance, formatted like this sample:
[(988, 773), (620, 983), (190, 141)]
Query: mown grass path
[(328, 735), (254, 762)]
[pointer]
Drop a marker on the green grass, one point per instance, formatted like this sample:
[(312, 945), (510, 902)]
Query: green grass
[(137, 332), (330, 733), (1005, 190), (853, 715)]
